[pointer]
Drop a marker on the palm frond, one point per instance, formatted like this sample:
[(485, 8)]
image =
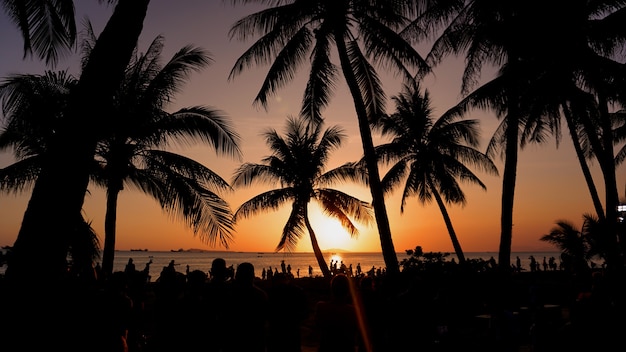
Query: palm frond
[(285, 65), (293, 230), (249, 173), (321, 83), (369, 83), (20, 175), (267, 201), (48, 28), (190, 125), (169, 79), (343, 206)]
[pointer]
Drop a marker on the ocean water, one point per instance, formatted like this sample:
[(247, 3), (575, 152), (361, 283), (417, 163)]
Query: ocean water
[(202, 260)]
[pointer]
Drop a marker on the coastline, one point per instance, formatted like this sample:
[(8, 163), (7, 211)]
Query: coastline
[(201, 259)]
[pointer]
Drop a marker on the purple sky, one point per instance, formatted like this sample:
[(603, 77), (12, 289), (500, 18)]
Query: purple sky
[(550, 185)]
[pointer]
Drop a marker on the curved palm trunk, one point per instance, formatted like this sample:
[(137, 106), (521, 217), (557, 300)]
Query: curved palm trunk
[(603, 151), (42, 243), (378, 200), (615, 262), (446, 218), (595, 198), (508, 186), (110, 219), (316, 249)]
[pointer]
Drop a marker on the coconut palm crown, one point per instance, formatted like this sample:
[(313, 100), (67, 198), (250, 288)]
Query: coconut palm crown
[(297, 166), (360, 35), (133, 149), (429, 157)]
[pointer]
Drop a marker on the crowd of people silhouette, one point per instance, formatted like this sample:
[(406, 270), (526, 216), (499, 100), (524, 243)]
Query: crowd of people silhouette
[(232, 307)]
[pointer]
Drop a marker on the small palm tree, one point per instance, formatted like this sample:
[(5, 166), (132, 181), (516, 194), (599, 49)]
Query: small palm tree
[(134, 149), (429, 157), (577, 247), (297, 164)]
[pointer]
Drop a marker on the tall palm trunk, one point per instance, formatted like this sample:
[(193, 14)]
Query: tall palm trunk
[(607, 165), (58, 195), (601, 138), (110, 219), (446, 218), (508, 184), (593, 191), (369, 153), (316, 249)]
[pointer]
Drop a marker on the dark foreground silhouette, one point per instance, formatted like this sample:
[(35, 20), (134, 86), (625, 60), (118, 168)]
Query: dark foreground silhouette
[(427, 311)]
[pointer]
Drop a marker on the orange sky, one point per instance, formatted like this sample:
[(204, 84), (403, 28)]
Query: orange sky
[(550, 185)]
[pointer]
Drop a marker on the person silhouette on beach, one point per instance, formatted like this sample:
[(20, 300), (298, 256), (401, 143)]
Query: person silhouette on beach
[(533, 263), (193, 310), (171, 267), (373, 308), (270, 273), (130, 266), (218, 272), (146, 271), (247, 311), (216, 297), (116, 314), (336, 319), (169, 287), (287, 310)]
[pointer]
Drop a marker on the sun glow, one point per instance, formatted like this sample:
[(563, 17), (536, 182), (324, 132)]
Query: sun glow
[(336, 258), (330, 234)]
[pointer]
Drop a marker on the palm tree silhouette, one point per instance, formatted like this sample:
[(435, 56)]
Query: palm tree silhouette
[(58, 194), (48, 28), (297, 164), (132, 153), (587, 53), (578, 246), (488, 32), (364, 34), (577, 75), (32, 105), (427, 157)]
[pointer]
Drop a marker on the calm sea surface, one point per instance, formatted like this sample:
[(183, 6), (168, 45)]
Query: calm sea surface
[(202, 260)]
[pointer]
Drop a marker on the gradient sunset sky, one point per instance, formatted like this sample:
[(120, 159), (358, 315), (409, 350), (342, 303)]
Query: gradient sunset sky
[(550, 185)]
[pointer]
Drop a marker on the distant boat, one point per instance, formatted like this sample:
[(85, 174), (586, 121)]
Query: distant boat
[(138, 250)]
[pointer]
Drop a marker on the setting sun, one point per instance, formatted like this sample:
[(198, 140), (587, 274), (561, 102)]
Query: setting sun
[(330, 234)]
